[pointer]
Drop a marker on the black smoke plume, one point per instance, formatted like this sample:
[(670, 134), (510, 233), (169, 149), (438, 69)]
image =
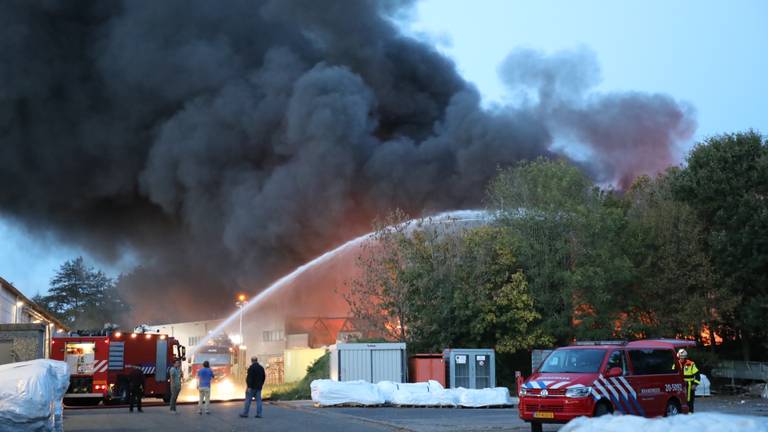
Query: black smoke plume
[(226, 142)]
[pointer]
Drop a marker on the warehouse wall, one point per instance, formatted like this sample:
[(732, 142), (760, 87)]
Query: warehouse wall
[(21, 342)]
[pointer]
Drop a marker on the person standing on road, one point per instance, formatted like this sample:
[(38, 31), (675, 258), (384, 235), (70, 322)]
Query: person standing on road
[(204, 377), (135, 388), (175, 374), (254, 382), (691, 376)]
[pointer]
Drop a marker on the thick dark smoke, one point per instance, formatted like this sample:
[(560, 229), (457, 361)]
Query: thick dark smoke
[(227, 142)]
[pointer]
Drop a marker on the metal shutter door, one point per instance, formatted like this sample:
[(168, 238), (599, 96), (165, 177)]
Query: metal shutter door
[(386, 366), (355, 365)]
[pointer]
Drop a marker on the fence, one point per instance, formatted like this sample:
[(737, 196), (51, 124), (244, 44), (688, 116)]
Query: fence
[(735, 369)]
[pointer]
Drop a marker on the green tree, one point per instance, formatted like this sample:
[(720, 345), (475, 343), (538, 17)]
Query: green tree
[(444, 285), (82, 296), (726, 183), (567, 236), (675, 291), (493, 302)]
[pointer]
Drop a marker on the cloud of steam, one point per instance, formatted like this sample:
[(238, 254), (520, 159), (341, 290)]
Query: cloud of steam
[(228, 144)]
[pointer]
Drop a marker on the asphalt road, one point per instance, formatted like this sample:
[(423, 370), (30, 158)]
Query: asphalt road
[(223, 418), (304, 417)]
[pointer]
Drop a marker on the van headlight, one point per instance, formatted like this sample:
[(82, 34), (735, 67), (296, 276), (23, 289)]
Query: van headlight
[(578, 392), (523, 391)]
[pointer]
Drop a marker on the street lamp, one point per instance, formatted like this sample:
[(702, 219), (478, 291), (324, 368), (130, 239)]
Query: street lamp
[(241, 302)]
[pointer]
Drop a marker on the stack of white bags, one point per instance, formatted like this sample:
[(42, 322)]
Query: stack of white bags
[(328, 393), (31, 395)]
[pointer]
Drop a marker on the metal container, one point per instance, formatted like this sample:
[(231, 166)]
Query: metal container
[(470, 368), (368, 362), (425, 367)]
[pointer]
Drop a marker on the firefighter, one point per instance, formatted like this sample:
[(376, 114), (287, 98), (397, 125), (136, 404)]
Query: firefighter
[(691, 376), (135, 388)]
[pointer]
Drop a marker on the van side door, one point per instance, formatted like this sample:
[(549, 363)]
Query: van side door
[(654, 370), (618, 388)]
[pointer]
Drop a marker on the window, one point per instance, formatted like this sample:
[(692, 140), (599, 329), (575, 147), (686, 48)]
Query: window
[(617, 360), (214, 359), (653, 361), (574, 361), (273, 335), (193, 340)]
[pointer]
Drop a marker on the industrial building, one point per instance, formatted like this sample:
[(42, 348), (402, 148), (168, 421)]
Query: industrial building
[(285, 346), (25, 327)]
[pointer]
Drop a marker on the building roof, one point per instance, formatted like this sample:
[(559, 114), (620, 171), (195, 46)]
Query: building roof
[(4, 284)]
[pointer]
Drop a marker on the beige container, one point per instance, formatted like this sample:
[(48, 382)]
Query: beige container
[(297, 360)]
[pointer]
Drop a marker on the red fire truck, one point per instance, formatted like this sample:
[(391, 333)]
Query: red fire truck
[(99, 364), (221, 354)]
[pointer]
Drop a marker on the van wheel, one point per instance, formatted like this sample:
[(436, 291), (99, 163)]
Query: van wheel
[(602, 409), (536, 427), (673, 408)]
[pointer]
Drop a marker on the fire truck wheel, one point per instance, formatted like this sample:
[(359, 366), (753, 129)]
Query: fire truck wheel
[(673, 408), (602, 409), (536, 427)]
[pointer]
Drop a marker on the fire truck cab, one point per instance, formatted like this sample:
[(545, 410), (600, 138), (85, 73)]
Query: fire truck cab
[(641, 378), (99, 363), (222, 356)]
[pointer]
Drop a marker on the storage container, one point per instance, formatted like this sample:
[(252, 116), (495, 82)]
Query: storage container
[(470, 368), (372, 362), (425, 367)]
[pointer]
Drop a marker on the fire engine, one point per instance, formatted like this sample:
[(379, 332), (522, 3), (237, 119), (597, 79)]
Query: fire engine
[(641, 378), (221, 355), (99, 363)]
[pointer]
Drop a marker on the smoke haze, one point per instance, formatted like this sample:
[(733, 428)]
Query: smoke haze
[(227, 143)]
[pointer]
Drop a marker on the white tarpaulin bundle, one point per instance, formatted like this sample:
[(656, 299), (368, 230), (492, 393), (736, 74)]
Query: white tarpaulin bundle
[(698, 422), (31, 394), (484, 397), (328, 393), (703, 389)]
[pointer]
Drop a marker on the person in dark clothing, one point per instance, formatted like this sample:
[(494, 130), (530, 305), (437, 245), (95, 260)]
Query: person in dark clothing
[(135, 388), (254, 382)]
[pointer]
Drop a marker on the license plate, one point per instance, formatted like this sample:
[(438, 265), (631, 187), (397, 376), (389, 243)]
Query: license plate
[(544, 414)]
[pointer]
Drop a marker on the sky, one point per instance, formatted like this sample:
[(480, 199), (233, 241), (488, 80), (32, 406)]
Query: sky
[(709, 54)]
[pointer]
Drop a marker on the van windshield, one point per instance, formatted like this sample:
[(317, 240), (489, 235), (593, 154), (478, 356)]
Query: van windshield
[(573, 361)]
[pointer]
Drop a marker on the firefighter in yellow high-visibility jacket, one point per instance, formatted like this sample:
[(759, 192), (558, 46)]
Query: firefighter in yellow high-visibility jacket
[(691, 376)]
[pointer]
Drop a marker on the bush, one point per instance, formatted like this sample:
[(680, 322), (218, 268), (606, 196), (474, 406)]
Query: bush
[(299, 390)]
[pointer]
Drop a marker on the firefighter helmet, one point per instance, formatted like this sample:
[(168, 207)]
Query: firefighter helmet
[(682, 353)]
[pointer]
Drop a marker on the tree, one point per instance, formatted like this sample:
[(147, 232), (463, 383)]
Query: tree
[(568, 248), (380, 297), (82, 296), (726, 183), (493, 303), (444, 285), (675, 290)]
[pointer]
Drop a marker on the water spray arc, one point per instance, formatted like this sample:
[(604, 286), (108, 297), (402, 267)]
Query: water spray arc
[(441, 218)]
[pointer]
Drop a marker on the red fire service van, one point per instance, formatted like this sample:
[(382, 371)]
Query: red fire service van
[(641, 378), (99, 363)]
